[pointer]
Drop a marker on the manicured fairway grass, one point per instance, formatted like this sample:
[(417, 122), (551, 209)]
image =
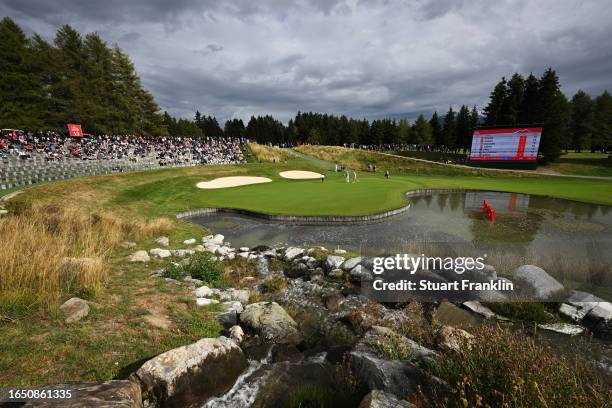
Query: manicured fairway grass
[(167, 192), (585, 163)]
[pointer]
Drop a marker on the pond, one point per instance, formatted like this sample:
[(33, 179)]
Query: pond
[(569, 239)]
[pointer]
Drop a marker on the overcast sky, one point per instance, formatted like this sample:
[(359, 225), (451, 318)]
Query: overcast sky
[(356, 57)]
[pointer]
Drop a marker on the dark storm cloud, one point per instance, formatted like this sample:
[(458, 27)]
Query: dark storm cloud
[(369, 58)]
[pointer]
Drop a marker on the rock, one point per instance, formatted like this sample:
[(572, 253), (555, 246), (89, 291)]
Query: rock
[(236, 334), (139, 256), (229, 317), (339, 251), (292, 252), (109, 394), (574, 313), (337, 274), (599, 318), (213, 239), (271, 322), (211, 247), (223, 250), (400, 378), (189, 241), (453, 338), (270, 253), (380, 399), (181, 253), (378, 335), (310, 262), (361, 273), (262, 266), (161, 253), (542, 284), (244, 255), (297, 270), (74, 309), (190, 374), (351, 263), (164, 241), (482, 310), (206, 301), (241, 295), (199, 248), (563, 328), (333, 262), (203, 291), (243, 249), (128, 245), (332, 301), (317, 275), (196, 282)]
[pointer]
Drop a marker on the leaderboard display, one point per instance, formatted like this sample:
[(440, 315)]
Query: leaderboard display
[(514, 147)]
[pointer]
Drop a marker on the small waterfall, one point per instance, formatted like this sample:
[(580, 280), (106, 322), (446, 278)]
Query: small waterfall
[(245, 389)]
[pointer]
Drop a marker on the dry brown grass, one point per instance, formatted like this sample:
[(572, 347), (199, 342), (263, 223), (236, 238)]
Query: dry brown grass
[(270, 154), (51, 252)]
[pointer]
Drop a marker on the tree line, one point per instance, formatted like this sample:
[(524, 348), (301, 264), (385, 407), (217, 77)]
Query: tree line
[(582, 123), (81, 79), (76, 79)]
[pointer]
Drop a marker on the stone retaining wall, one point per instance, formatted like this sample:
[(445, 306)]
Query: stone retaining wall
[(317, 219)]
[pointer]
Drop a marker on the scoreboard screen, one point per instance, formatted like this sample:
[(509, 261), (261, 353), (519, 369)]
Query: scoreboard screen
[(509, 145)]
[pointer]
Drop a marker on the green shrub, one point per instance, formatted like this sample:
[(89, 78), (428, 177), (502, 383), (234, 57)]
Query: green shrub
[(202, 266), (391, 347), (525, 311), (174, 272), (507, 368)]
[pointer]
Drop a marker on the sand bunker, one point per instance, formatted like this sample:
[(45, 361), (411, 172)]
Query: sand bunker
[(300, 175), (224, 182)]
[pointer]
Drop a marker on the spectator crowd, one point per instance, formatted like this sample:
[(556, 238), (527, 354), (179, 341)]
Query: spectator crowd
[(167, 151)]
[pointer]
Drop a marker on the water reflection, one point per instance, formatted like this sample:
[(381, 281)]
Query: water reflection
[(567, 238)]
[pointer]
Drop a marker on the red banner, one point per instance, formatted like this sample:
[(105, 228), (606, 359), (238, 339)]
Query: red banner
[(75, 130)]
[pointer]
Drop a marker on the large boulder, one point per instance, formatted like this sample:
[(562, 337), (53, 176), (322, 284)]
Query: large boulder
[(539, 282), (597, 312), (191, 374), (109, 394), (74, 309), (351, 263), (379, 337), (361, 274), (380, 399), (400, 378), (271, 322), (213, 239), (292, 252), (333, 262), (453, 339)]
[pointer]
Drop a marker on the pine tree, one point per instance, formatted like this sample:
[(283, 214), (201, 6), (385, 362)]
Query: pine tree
[(494, 110), (581, 124), (436, 130), (555, 116), (602, 134), (21, 92), (422, 131), (449, 130), (512, 105), (405, 134), (464, 128), (530, 111)]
